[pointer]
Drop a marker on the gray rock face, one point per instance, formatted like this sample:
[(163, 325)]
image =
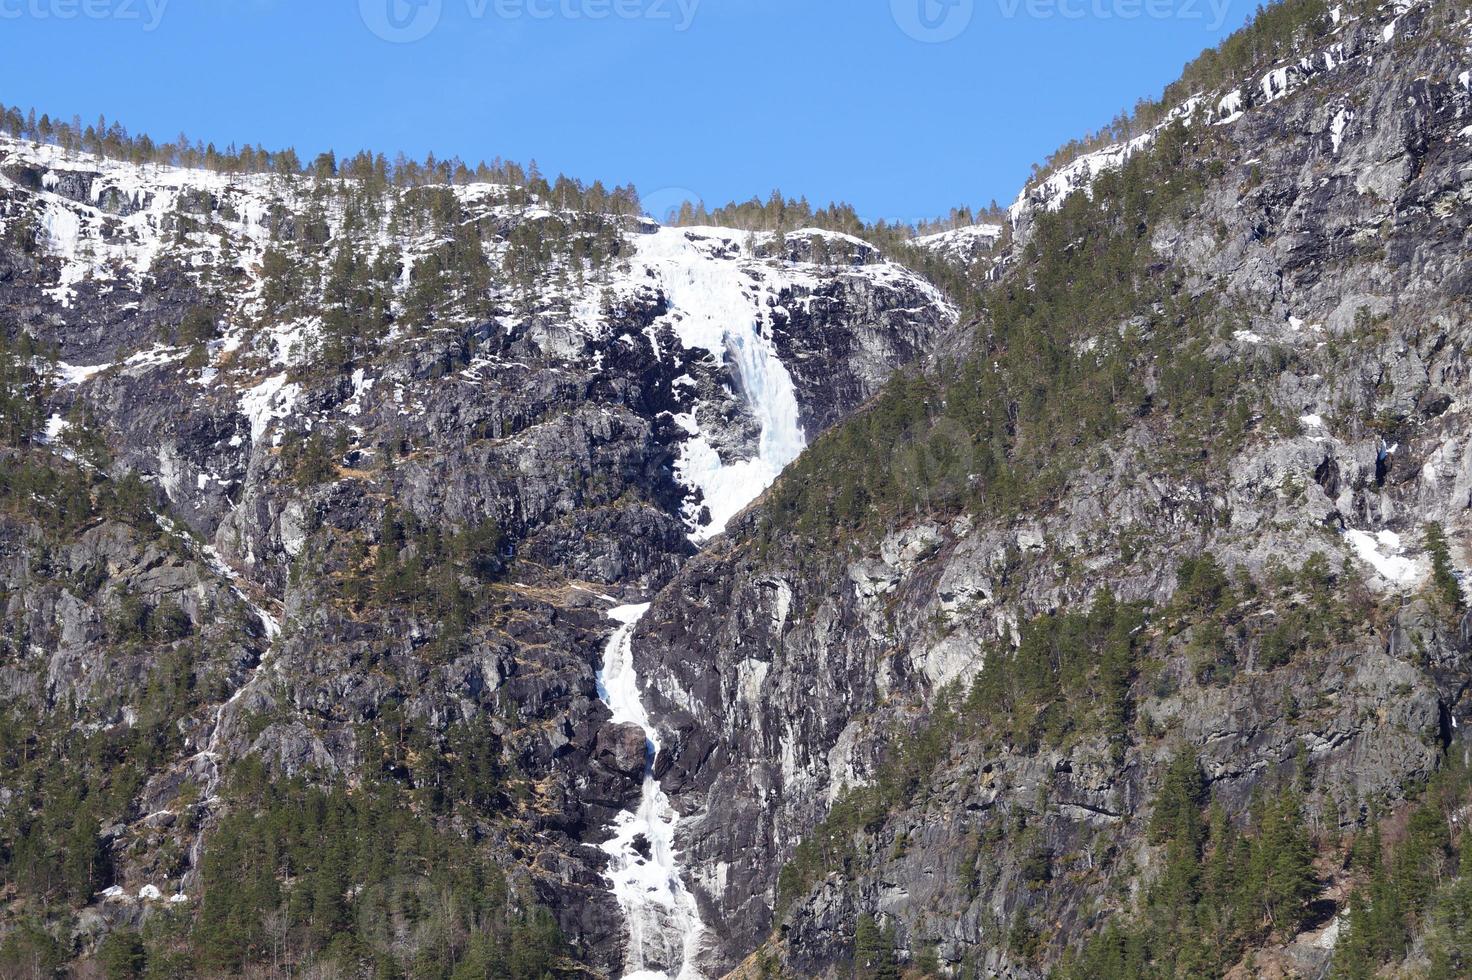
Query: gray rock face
[(1338, 227), (623, 748)]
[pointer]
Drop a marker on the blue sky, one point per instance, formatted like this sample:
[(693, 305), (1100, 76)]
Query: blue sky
[(828, 98)]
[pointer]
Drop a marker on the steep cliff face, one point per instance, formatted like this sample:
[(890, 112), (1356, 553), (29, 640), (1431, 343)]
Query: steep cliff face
[(1320, 259), (390, 456)]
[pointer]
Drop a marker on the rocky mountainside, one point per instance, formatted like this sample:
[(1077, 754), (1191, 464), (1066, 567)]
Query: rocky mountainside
[(469, 579), (339, 483), (1221, 380)]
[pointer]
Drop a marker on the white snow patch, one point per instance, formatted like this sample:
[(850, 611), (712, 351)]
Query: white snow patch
[(1248, 337), (71, 374), (270, 400), (1383, 553), (56, 427), (1341, 121), (150, 893)]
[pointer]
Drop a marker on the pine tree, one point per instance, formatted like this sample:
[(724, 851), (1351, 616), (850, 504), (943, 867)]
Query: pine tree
[(1445, 584), (874, 957), (1177, 813), (1283, 865), (123, 956)]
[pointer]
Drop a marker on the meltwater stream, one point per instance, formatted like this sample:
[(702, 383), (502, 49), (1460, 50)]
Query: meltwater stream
[(664, 921)]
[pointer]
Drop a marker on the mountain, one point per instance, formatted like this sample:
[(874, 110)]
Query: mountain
[(1197, 491), (460, 575), (318, 482)]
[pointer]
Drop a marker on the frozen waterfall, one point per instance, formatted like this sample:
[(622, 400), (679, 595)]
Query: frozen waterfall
[(664, 921), (716, 307)]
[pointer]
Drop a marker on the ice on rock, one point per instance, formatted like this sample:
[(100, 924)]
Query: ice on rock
[(1275, 84), (716, 307), (270, 400), (665, 929), (1229, 109)]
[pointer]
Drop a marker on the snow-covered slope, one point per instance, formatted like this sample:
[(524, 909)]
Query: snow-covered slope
[(110, 231), (961, 244)]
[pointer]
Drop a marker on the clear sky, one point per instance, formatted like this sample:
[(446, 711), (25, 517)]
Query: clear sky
[(869, 101)]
